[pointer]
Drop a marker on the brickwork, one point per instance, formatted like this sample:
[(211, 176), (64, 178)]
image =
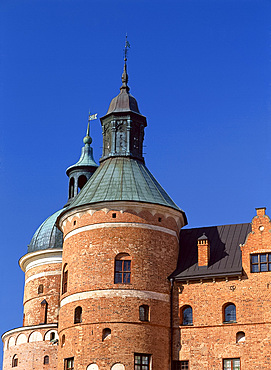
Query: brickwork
[(203, 252), (30, 354), (90, 258), (209, 340), (51, 292)]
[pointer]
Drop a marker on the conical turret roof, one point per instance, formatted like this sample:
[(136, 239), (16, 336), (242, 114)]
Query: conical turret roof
[(123, 179)]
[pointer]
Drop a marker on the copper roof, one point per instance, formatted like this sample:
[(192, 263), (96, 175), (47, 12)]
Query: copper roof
[(123, 179)]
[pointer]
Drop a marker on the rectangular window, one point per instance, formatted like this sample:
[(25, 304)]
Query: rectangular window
[(231, 364), (260, 262), (69, 363), (142, 361), (123, 272), (184, 365)]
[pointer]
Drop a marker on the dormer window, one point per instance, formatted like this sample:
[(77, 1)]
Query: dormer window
[(260, 262)]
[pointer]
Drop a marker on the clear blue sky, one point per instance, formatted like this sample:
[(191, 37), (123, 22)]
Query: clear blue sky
[(200, 71)]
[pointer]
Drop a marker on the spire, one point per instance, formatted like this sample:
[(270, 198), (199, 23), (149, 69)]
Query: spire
[(82, 170), (87, 139), (124, 77)]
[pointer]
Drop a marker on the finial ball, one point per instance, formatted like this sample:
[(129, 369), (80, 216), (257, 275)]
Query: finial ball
[(87, 140)]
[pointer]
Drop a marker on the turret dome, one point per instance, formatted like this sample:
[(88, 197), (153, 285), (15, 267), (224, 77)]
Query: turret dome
[(47, 236), (124, 102)]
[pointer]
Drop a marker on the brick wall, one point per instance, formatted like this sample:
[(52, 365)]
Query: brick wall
[(151, 240), (209, 340)]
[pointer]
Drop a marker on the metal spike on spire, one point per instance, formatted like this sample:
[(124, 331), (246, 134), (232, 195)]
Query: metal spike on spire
[(87, 139), (124, 77), (126, 47)]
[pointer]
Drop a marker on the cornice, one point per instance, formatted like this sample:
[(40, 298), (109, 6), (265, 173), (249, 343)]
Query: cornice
[(25, 328), (121, 206), (41, 257)]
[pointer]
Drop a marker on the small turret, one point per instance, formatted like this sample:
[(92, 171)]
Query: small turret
[(81, 171)]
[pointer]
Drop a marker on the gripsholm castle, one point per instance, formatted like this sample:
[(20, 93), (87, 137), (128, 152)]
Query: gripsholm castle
[(113, 282)]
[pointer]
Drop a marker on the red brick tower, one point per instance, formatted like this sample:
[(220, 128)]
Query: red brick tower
[(34, 346), (120, 245)]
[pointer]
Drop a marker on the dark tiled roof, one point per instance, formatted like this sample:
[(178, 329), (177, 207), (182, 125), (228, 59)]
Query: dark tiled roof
[(225, 253)]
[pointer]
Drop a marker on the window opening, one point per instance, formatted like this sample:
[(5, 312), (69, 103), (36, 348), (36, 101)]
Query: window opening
[(260, 262), (71, 188), (144, 313), (69, 363), (40, 289), (52, 335), (187, 316), (122, 269), (231, 364), (15, 361), (159, 219), (63, 340), (65, 279), (46, 360), (230, 313), (43, 312), (78, 315), (106, 334), (114, 215), (81, 182), (142, 361), (74, 222), (184, 365), (240, 337)]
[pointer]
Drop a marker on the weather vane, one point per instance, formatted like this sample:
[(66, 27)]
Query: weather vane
[(127, 46), (91, 117)]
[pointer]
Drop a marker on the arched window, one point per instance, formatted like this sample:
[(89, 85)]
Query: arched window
[(52, 335), (46, 360), (40, 289), (71, 188), (63, 340), (15, 361), (43, 312), (78, 315), (65, 279), (187, 315), (144, 313), (240, 337), (81, 182), (229, 313), (122, 269), (106, 334)]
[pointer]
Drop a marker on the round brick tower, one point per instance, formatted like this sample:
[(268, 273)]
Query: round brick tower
[(34, 346), (120, 245)]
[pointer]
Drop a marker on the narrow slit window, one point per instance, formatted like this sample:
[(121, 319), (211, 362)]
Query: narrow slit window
[(65, 279), (144, 313), (15, 361), (40, 289), (78, 315)]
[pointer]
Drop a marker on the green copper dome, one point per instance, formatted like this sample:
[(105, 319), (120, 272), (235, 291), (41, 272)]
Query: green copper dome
[(47, 236)]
